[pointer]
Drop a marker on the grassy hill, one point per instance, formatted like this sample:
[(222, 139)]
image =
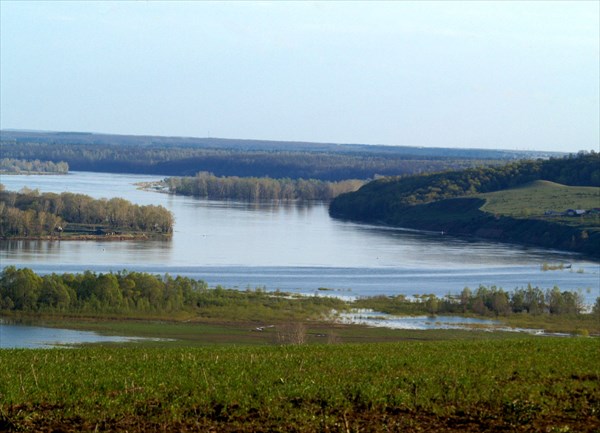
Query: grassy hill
[(533, 199), (506, 203)]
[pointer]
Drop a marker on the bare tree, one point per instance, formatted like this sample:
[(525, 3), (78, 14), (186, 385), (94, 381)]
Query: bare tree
[(290, 333)]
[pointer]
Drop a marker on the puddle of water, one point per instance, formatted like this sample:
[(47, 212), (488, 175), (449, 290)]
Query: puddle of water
[(13, 336), (383, 320)]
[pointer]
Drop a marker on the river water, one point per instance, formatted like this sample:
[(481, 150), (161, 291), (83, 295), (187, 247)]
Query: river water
[(292, 247)]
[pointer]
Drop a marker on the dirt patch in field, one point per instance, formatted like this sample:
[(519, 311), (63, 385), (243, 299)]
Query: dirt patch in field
[(51, 419)]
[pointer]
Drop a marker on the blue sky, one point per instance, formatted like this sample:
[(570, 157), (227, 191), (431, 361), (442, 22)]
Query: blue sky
[(507, 75)]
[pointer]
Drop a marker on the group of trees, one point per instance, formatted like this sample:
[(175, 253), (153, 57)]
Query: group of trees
[(252, 188), (138, 292), (486, 301), (278, 162), (24, 290), (143, 294), (30, 213), (10, 165)]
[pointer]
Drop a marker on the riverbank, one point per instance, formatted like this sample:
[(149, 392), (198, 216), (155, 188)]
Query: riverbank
[(545, 203), (88, 237), (463, 217), (347, 326), (31, 173)]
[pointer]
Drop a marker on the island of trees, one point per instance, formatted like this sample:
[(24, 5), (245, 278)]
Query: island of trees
[(454, 202), (29, 214), (209, 186)]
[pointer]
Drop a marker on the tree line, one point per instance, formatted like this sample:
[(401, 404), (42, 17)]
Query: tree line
[(277, 162), (486, 301), (30, 213), (139, 293), (24, 290), (254, 188), (10, 165)]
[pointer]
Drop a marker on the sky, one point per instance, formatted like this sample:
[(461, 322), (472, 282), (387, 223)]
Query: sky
[(475, 74)]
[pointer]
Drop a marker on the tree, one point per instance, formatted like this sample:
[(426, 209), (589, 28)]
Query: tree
[(54, 293), (21, 287), (500, 303), (465, 299), (106, 290), (534, 300), (596, 308)]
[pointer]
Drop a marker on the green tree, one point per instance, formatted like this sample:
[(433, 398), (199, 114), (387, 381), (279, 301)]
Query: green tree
[(20, 287), (54, 293)]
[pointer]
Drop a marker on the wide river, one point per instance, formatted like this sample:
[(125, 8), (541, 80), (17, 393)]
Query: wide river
[(291, 246)]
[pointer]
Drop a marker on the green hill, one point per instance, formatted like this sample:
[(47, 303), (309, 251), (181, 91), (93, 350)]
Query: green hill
[(507, 203), (535, 198)]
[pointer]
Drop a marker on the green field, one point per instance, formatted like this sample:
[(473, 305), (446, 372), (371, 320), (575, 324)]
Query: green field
[(534, 199), (511, 384)]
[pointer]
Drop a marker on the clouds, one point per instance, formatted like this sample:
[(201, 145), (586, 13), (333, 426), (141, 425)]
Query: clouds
[(483, 74)]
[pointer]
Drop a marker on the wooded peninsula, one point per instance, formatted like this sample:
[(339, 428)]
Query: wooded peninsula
[(456, 203)]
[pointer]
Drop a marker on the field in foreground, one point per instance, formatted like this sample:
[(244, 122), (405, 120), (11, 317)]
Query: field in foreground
[(513, 384)]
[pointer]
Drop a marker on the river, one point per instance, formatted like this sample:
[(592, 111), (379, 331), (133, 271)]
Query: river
[(292, 247)]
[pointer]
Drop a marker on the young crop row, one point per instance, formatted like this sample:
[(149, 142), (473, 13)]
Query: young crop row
[(515, 384)]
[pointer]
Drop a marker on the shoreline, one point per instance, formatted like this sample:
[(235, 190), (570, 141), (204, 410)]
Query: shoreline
[(83, 237)]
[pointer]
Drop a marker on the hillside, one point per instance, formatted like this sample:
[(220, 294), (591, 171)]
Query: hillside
[(506, 203), (541, 199)]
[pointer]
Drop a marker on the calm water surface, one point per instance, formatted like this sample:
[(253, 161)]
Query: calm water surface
[(293, 247), (36, 337)]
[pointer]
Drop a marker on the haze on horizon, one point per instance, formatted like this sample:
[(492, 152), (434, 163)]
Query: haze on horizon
[(495, 75)]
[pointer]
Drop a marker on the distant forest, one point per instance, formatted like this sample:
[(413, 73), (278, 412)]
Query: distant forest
[(174, 156), (29, 213), (210, 186), (177, 161)]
